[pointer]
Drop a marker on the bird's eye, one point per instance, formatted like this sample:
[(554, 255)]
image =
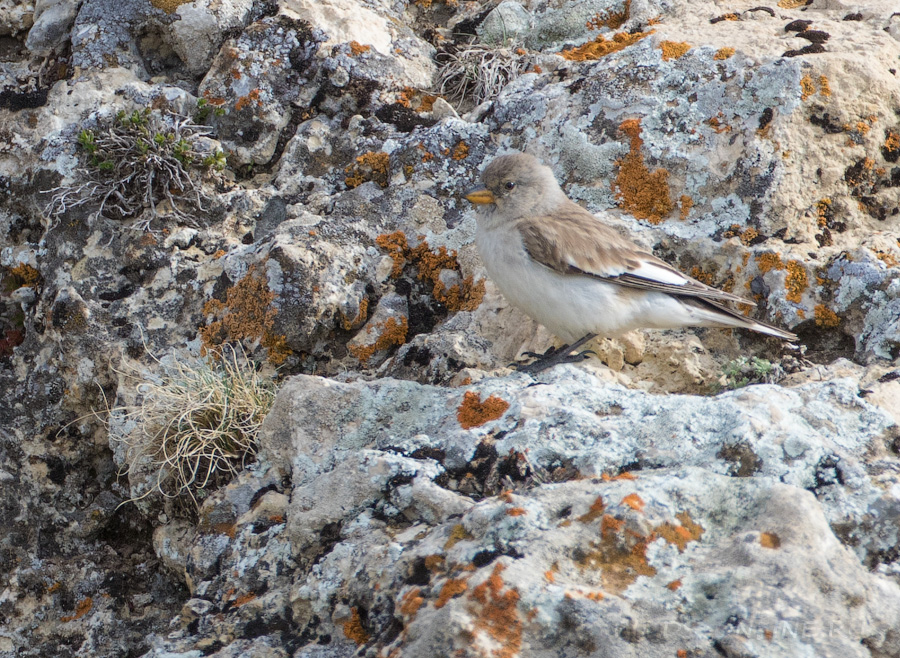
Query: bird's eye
[(510, 185)]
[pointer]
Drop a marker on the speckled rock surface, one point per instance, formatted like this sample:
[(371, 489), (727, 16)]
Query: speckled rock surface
[(397, 508)]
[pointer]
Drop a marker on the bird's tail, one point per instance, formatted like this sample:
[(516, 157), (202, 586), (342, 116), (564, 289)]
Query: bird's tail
[(720, 315)]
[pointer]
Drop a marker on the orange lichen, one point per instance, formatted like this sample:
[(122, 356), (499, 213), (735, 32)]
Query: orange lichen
[(451, 589), (769, 540), (642, 193), (464, 296), (516, 511), (357, 48), (635, 502), (392, 333), (354, 630), (675, 584), (461, 151), (807, 87), (701, 275), (768, 634), (25, 276), (892, 142), (824, 86), (686, 204), (495, 613), (370, 166), (612, 19), (621, 556), (723, 53), (748, 236), (792, 4), (84, 606), (887, 258), (411, 602), (549, 576), (244, 101), (601, 46), (595, 511), (825, 317), (768, 262), (863, 128), (624, 475), (796, 281), (673, 49), (681, 653), (246, 314), (472, 412), (680, 535)]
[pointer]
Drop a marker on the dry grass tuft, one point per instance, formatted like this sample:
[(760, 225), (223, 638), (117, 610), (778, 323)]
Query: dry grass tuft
[(475, 73), (195, 427)]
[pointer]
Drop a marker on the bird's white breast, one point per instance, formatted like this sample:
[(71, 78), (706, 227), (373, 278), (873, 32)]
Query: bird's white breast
[(569, 306)]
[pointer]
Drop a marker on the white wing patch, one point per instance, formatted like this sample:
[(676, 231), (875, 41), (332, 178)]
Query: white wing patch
[(653, 272)]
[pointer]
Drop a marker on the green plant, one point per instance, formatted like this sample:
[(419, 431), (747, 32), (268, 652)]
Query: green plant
[(139, 160), (195, 427), (749, 370)]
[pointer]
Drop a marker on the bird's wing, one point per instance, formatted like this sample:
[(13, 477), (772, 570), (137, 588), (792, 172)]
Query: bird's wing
[(573, 241)]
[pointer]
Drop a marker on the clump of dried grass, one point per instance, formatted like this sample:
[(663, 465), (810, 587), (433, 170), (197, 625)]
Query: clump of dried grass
[(195, 427), (473, 74)]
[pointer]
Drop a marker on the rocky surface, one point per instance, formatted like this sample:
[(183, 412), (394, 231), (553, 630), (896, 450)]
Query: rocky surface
[(410, 494)]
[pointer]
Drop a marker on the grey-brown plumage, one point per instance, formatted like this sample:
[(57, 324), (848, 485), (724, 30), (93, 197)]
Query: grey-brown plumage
[(564, 268)]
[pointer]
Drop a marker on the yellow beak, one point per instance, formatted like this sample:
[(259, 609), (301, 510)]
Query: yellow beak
[(480, 195)]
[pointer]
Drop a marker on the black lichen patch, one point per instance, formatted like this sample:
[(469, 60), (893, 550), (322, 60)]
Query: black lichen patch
[(814, 36), (11, 99), (826, 123), (404, 118), (811, 49), (797, 26), (765, 118)]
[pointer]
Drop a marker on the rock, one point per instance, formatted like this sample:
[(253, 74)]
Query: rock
[(52, 21), (508, 22)]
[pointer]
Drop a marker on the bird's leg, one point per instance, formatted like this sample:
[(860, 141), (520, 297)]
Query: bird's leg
[(553, 357)]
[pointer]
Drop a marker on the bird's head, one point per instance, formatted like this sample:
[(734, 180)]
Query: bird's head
[(514, 186)]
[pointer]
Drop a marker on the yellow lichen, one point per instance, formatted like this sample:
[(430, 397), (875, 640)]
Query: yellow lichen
[(673, 49), (352, 323), (370, 166), (353, 628), (643, 193), (769, 540), (796, 281), (168, 6), (25, 276), (768, 262), (792, 4), (824, 86), (723, 53), (702, 276), (686, 204), (411, 602), (473, 412), (457, 534), (892, 142), (601, 46), (748, 236), (825, 317), (807, 87)]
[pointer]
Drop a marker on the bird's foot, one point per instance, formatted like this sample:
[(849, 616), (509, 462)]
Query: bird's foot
[(553, 357)]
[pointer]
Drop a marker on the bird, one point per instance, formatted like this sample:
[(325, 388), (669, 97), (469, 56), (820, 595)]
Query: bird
[(567, 270)]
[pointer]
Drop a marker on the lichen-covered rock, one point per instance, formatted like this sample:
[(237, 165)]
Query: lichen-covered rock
[(466, 508), (533, 516)]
